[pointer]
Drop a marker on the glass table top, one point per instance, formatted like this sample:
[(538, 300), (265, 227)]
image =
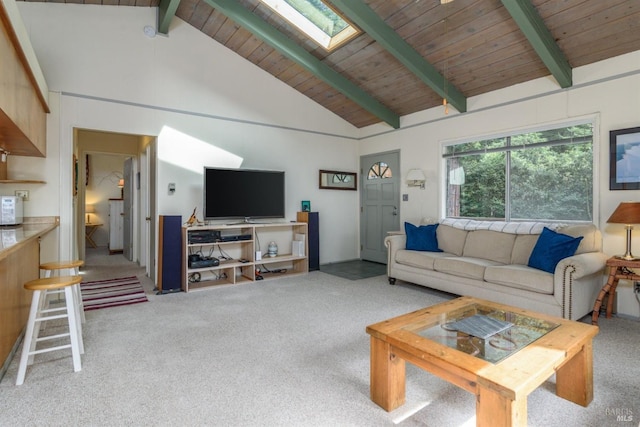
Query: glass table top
[(485, 332)]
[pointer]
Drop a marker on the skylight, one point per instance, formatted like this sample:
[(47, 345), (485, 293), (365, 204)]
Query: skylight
[(315, 19)]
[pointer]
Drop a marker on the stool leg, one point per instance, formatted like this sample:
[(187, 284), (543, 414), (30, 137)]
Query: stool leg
[(28, 337), (80, 303), (76, 338), (79, 311), (43, 304)]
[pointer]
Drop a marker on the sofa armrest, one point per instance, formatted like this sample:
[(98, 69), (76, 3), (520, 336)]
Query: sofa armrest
[(582, 265), (393, 243), (576, 282)]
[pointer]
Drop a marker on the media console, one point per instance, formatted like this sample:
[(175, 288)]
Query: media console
[(235, 246)]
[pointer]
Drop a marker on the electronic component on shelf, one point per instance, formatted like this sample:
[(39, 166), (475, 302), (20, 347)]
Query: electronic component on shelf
[(197, 261), (234, 237), (204, 236)]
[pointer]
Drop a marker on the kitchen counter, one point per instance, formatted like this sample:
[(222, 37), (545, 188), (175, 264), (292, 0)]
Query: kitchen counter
[(19, 263), (12, 237)]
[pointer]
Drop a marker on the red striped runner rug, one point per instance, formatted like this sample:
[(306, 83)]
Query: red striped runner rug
[(112, 293)]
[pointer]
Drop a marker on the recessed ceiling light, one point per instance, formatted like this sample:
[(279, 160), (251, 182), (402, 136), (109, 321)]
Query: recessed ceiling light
[(149, 31)]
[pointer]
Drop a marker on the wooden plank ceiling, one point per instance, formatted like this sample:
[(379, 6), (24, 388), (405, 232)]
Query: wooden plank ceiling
[(477, 46)]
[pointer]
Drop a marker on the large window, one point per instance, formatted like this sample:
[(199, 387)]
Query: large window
[(542, 175)]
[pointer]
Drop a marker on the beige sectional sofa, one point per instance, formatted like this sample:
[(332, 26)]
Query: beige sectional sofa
[(488, 259)]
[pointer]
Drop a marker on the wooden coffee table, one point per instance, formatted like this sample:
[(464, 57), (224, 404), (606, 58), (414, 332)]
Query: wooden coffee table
[(500, 370)]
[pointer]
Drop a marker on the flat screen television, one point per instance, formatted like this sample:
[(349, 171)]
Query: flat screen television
[(243, 193)]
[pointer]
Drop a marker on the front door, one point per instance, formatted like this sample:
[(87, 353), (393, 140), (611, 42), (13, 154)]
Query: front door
[(379, 203)]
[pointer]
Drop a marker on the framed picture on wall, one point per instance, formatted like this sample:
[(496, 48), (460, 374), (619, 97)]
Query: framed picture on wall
[(624, 159)]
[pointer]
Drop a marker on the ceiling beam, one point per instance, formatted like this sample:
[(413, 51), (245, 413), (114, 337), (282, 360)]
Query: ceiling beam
[(166, 12), (364, 17), (261, 29), (534, 29)]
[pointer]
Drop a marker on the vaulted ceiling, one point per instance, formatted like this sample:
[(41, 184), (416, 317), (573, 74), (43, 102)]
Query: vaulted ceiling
[(413, 53)]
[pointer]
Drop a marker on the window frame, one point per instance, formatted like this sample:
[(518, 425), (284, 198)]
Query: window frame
[(593, 119)]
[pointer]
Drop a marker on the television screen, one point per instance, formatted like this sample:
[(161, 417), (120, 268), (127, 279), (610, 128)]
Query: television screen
[(243, 193)]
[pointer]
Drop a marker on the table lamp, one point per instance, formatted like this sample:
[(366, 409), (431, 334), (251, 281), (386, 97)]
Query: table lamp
[(626, 213), (89, 209)]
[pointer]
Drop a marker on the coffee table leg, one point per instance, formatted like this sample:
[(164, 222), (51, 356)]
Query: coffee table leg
[(496, 410), (574, 379), (387, 376)]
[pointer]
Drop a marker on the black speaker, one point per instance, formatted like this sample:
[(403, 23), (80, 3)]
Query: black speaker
[(169, 254), (313, 228)]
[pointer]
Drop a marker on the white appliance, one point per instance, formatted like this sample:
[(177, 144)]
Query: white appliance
[(11, 210)]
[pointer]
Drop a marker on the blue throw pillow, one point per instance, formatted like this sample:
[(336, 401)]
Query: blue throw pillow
[(550, 248), (421, 238)]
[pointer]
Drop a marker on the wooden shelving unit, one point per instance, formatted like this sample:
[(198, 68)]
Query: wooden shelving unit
[(237, 258)]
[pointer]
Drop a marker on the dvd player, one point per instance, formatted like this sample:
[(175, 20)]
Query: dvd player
[(204, 236), (235, 238)]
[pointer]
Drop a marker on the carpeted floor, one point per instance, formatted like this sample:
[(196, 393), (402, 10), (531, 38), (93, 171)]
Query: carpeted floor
[(285, 352)]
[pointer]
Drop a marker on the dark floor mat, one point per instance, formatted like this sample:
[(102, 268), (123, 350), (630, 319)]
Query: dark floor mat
[(354, 270)]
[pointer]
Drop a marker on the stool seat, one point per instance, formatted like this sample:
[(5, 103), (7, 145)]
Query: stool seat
[(73, 268), (49, 283), (59, 265), (41, 312)]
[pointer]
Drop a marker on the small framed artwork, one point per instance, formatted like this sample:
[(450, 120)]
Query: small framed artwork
[(624, 159), (306, 206)]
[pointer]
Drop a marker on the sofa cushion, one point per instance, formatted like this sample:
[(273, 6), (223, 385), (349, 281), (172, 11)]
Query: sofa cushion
[(472, 268), (520, 277), (550, 248), (451, 239), (522, 248), (592, 238), (419, 259), (491, 245), (422, 238)]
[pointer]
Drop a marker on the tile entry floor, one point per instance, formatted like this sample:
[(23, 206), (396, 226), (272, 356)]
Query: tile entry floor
[(355, 269)]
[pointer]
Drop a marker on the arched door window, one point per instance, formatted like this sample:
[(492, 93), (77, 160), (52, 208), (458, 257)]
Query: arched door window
[(379, 170)]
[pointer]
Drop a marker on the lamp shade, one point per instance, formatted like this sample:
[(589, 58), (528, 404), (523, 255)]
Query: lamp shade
[(626, 213), (89, 208), (121, 183), (416, 175)]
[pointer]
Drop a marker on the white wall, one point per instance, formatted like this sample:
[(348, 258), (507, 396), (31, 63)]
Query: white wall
[(107, 75), (608, 91)]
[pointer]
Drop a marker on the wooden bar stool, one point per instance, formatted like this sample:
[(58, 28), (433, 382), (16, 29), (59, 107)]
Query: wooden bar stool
[(40, 312), (73, 269)]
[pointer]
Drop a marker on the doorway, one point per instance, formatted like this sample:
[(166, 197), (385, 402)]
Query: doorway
[(128, 175), (379, 203)]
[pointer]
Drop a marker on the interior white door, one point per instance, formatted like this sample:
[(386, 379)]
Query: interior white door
[(379, 203), (127, 196)]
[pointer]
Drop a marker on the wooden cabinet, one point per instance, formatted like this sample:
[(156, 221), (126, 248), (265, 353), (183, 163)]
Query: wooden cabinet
[(234, 248), (116, 225), (23, 103)]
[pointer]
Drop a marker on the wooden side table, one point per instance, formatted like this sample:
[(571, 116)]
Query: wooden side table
[(90, 228), (618, 269)]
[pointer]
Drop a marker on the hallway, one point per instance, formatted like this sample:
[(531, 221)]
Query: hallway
[(99, 265)]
